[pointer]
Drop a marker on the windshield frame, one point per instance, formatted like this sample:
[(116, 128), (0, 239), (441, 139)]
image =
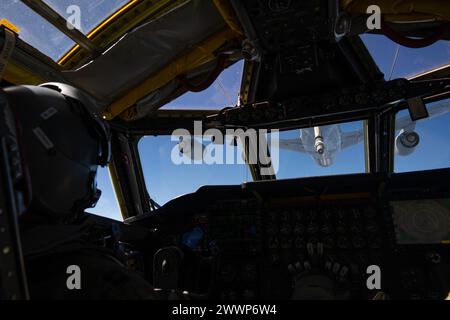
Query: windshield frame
[(368, 120), (148, 187), (390, 121)]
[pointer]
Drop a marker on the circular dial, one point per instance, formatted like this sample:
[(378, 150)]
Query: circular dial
[(422, 221)]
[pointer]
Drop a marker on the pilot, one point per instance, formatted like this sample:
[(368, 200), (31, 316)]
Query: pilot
[(63, 142)]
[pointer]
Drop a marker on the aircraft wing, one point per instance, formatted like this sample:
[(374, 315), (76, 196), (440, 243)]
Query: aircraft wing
[(433, 111), (351, 138), (292, 144)]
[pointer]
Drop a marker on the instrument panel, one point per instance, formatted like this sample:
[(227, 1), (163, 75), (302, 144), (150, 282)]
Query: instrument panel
[(290, 244), (316, 238)]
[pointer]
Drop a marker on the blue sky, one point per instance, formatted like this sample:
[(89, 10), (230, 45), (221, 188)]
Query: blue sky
[(166, 181)]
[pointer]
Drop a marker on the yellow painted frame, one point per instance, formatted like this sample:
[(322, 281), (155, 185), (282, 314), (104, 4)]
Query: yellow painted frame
[(8, 24), (227, 13), (20, 76), (199, 55)]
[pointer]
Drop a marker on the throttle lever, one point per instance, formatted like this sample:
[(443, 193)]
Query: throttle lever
[(166, 268), (167, 275)]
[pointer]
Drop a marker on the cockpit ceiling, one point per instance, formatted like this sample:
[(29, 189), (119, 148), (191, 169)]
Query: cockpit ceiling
[(149, 44), (140, 82), (150, 48)]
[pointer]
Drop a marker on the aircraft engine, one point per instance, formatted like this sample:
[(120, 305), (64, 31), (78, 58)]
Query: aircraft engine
[(406, 142)]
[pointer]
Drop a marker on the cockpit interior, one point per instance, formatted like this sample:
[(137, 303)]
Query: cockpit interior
[(260, 149)]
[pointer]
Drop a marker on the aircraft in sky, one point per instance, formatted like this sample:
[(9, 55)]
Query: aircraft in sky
[(323, 143)]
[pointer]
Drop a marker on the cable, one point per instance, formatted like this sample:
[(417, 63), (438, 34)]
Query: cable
[(224, 91), (395, 61)]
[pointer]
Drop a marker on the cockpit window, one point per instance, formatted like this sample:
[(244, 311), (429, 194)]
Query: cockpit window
[(423, 144), (396, 61), (172, 167), (107, 206), (222, 93), (35, 30), (85, 15), (169, 172), (164, 178), (91, 12), (321, 151)]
